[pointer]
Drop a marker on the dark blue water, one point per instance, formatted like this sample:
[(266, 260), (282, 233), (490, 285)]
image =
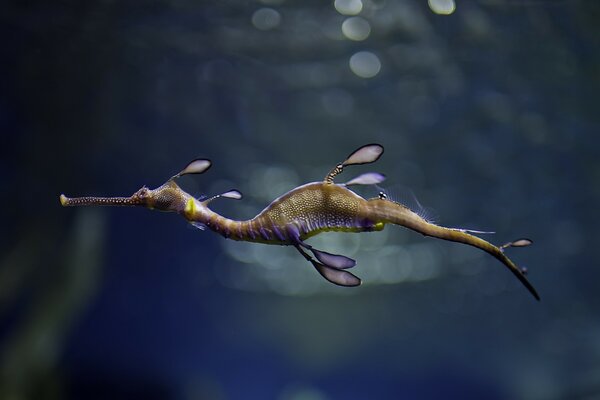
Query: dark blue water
[(488, 115)]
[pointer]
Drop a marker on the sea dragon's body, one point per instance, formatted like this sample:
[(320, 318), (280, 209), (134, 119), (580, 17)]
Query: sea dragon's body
[(304, 212), (297, 215)]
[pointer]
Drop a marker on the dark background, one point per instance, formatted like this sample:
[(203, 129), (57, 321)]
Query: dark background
[(489, 115)]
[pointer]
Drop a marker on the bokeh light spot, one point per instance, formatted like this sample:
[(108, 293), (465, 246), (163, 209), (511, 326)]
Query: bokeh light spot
[(266, 19), (442, 7), (356, 28), (365, 64), (348, 7)]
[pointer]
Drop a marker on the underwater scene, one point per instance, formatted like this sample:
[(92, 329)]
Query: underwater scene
[(377, 199)]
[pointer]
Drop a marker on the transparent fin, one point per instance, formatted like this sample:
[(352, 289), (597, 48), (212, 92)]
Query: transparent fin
[(198, 225), (337, 276), (333, 260), (232, 194), (364, 155), (473, 231), (369, 178), (197, 166), (523, 242)]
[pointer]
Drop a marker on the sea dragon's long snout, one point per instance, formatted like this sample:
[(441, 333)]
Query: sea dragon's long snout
[(167, 197)]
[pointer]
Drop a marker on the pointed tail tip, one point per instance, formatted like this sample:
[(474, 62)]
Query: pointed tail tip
[(534, 292), (523, 278), (64, 201)]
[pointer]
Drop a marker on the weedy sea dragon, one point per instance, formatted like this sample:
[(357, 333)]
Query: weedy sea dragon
[(304, 212)]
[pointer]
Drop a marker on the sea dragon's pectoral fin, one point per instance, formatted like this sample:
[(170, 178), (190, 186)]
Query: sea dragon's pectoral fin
[(334, 275)]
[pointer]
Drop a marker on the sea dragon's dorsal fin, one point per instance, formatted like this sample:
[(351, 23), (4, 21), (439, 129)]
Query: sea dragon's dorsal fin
[(230, 194), (363, 155), (197, 166)]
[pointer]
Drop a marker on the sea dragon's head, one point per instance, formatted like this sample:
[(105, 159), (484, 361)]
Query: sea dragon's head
[(167, 197)]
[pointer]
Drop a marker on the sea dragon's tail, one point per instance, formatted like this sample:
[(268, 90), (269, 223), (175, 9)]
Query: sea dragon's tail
[(386, 211)]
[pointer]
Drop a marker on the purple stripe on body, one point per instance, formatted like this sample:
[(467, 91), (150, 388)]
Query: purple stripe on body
[(226, 230), (293, 232), (278, 233), (319, 223), (251, 231), (364, 223), (304, 226), (264, 233)]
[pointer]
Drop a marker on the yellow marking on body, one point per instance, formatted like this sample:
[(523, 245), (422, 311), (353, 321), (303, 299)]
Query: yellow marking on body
[(190, 207), (63, 200), (377, 227)]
